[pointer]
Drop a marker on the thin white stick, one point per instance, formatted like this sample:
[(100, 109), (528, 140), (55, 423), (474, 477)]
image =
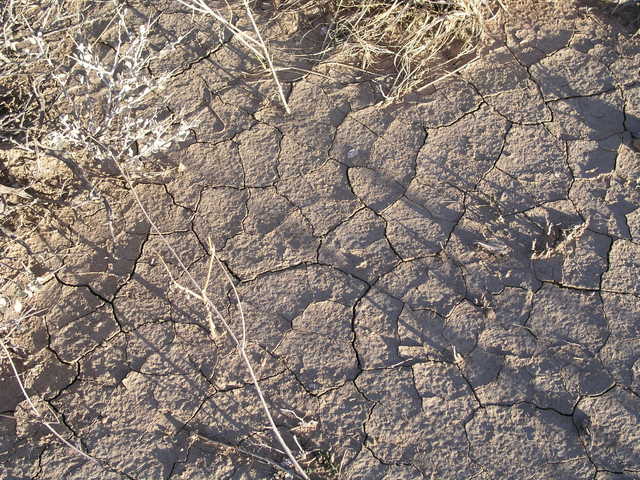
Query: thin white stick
[(246, 40), (235, 292), (36, 411), (212, 308), (249, 454), (267, 56)]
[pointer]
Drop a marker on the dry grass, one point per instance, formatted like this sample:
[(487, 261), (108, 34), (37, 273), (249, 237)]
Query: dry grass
[(405, 41)]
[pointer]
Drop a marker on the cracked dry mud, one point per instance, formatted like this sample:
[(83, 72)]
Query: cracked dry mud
[(444, 288)]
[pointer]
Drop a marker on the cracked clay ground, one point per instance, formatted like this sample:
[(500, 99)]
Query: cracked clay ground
[(444, 288)]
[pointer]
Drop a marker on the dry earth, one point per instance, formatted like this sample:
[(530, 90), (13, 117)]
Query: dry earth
[(444, 288)]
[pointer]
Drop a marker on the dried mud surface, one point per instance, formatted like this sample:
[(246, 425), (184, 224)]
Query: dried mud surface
[(444, 288)]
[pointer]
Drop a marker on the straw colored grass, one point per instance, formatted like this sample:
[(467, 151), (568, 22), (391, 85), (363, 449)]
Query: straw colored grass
[(405, 42)]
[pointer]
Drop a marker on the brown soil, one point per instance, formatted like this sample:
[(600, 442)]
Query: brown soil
[(444, 287)]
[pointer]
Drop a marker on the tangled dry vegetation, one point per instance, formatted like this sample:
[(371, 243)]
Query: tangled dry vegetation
[(407, 41)]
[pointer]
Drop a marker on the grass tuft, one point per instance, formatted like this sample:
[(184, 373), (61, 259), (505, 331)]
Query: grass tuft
[(405, 41)]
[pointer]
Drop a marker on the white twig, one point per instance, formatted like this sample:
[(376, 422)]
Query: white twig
[(261, 51), (35, 410), (210, 307), (248, 453), (267, 56)]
